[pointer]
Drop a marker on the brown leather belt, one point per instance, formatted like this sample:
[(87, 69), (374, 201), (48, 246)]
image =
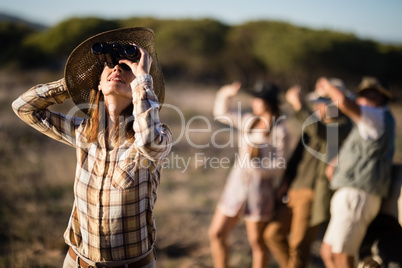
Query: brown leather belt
[(144, 261)]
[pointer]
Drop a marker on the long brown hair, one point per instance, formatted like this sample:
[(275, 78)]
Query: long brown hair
[(98, 120), (274, 109)]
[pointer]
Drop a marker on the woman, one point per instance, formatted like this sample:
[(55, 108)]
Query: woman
[(119, 149), (250, 188)]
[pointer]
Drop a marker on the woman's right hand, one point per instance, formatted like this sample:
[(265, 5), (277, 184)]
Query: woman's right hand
[(281, 192), (143, 66)]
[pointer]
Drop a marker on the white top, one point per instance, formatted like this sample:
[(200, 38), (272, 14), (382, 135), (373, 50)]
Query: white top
[(371, 126)]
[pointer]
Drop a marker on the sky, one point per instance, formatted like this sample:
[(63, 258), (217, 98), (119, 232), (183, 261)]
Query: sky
[(367, 19)]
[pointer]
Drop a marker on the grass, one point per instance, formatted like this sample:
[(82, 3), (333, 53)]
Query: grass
[(36, 185)]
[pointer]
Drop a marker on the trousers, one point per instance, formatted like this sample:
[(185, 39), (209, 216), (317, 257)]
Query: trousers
[(289, 235)]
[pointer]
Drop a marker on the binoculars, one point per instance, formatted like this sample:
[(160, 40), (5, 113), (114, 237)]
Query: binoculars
[(112, 53)]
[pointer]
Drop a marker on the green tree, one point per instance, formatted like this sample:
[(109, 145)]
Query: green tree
[(11, 36), (206, 50), (191, 47), (60, 40)]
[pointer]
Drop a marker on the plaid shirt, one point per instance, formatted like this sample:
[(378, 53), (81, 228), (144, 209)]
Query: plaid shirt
[(115, 188)]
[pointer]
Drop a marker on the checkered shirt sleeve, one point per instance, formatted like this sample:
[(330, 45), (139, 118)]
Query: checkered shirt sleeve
[(32, 108), (151, 137)]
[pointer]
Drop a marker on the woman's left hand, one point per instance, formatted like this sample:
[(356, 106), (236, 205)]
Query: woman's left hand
[(143, 66)]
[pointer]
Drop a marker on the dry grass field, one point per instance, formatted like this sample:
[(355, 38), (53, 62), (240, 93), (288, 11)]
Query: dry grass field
[(36, 182)]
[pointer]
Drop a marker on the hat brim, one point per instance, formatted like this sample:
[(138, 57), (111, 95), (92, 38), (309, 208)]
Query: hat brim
[(379, 89), (83, 69)]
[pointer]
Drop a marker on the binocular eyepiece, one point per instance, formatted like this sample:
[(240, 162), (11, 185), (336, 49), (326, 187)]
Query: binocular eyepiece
[(112, 53)]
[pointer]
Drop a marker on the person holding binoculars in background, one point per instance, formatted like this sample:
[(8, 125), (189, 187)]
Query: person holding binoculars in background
[(249, 191), (120, 146)]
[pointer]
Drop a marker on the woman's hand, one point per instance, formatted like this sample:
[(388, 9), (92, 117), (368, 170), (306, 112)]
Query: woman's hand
[(143, 66), (281, 193)]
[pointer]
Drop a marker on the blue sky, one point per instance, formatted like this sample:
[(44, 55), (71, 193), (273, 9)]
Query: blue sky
[(372, 19)]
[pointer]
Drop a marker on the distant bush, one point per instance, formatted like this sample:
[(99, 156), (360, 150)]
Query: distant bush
[(192, 48), (12, 36), (59, 41), (206, 50)]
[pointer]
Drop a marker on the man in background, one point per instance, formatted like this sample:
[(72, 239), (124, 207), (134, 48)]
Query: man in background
[(362, 176)]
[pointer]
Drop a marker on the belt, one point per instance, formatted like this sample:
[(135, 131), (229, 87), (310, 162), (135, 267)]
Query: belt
[(140, 263)]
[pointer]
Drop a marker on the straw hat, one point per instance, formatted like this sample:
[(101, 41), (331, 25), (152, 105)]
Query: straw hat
[(369, 82), (83, 69)]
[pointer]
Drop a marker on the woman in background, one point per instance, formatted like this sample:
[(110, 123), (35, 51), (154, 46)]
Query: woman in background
[(250, 188)]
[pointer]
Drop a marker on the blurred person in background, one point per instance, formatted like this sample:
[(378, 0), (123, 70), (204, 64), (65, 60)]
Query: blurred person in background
[(250, 188), (305, 209), (120, 147), (362, 176), (382, 245)]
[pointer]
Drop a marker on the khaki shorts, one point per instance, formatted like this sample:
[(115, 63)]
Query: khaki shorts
[(352, 211)]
